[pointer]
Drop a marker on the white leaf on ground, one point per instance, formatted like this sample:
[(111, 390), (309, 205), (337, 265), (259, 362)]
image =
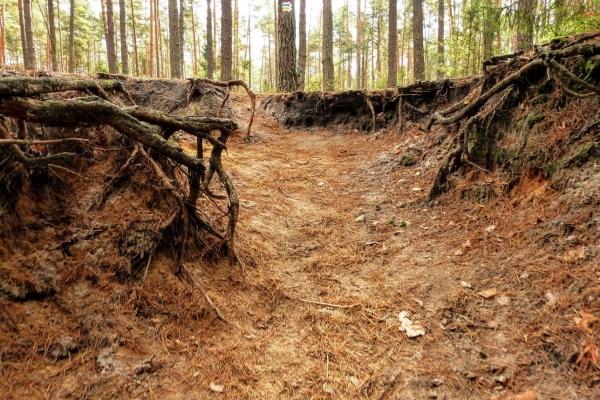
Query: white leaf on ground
[(360, 218), (412, 330), (216, 388), (466, 284), (488, 293)]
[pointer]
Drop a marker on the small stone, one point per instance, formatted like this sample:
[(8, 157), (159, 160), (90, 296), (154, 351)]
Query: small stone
[(436, 383), (216, 388), (488, 293), (501, 379), (498, 388), (503, 300), (524, 275), (444, 321), (466, 285)]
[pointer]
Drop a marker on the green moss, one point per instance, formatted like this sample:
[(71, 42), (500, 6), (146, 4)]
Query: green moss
[(551, 169), (504, 155), (534, 119), (582, 154), (541, 99), (407, 160)]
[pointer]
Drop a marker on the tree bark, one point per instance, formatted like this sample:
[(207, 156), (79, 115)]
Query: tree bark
[(328, 74), (288, 75), (302, 46), (30, 59), (210, 60), (110, 37), (392, 80), (123, 33), (71, 62), (418, 56), (135, 50), (226, 40), (195, 51), (174, 48), (22, 26), (359, 81), (441, 61), (525, 25), (52, 32)]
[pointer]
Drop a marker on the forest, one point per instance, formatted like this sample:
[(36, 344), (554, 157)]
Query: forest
[(341, 45)]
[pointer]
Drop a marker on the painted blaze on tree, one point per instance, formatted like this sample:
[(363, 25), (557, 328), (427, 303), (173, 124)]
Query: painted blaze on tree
[(288, 75)]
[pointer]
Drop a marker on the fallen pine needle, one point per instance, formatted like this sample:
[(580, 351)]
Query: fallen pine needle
[(329, 304)]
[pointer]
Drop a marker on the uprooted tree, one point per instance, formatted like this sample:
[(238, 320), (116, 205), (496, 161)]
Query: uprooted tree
[(33, 113)]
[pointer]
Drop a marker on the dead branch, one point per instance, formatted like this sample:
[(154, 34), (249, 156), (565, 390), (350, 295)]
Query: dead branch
[(562, 70), (373, 116), (50, 141), (26, 87), (196, 283)]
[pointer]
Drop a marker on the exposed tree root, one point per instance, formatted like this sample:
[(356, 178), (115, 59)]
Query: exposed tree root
[(470, 108), (149, 130)]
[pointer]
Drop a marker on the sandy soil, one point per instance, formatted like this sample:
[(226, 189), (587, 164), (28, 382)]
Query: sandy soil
[(337, 240)]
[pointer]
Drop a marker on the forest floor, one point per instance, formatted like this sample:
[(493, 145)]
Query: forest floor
[(337, 240)]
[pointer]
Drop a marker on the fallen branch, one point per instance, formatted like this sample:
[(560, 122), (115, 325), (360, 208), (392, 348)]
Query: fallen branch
[(330, 304)]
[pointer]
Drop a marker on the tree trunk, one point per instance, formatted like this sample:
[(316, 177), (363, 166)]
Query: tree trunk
[(123, 33), (359, 83), (30, 60), (22, 26), (2, 34), (71, 62), (441, 62), (210, 60), (276, 40), (288, 75), (236, 40), (195, 51), (150, 56), (52, 32), (181, 38), (226, 40), (110, 37), (328, 74), (174, 56), (525, 25), (135, 50), (302, 46), (392, 80), (418, 56)]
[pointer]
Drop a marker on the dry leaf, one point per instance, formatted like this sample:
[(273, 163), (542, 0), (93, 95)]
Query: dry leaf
[(488, 293), (585, 321), (412, 330), (528, 395), (216, 388)]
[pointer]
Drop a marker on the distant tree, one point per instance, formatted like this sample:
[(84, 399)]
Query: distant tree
[(419, 55), (71, 62), (174, 48), (392, 80), (109, 33), (302, 46), (135, 48), (288, 75), (30, 59), (358, 47), (210, 60), (328, 74), (123, 34), (52, 34), (440, 71), (226, 40)]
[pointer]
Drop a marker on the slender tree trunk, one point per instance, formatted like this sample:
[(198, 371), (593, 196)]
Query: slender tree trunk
[(194, 52), (349, 61), (52, 33), (110, 37), (174, 56), (392, 80), (134, 38), (181, 38), (226, 38), (403, 41), (328, 74), (158, 41), (210, 61), (418, 56), (236, 41), (123, 34), (3, 33), (150, 56), (302, 46), (441, 62), (276, 40), (71, 62), (358, 47), (60, 40), (288, 74), (30, 58)]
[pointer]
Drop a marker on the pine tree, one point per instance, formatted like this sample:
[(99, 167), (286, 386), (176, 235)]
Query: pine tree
[(123, 34), (226, 40), (30, 58), (302, 45), (418, 54), (52, 33), (210, 60), (392, 80), (440, 72), (288, 75), (71, 62), (174, 48), (109, 26), (328, 74), (525, 24)]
